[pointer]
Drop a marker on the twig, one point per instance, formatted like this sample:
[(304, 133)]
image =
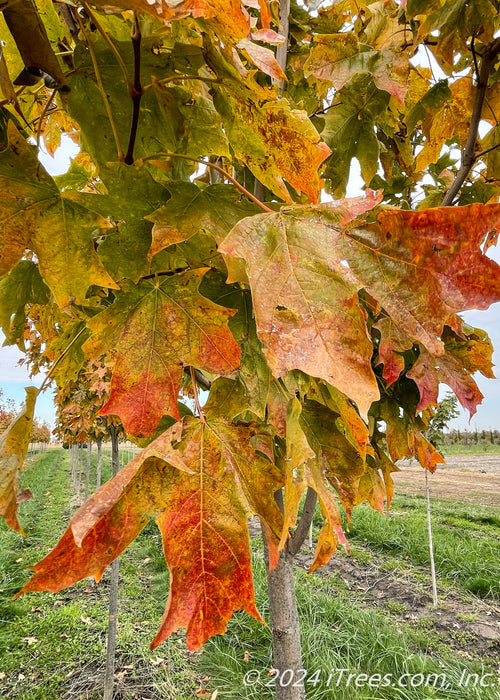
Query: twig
[(136, 92), (106, 38), (468, 154), (42, 117), (378, 581), (196, 400), (486, 150), (174, 78), (325, 110), (101, 88), (167, 154)]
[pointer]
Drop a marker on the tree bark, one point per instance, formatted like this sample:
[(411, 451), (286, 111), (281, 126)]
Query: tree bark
[(87, 469), (99, 464), (283, 613), (285, 628), (113, 588)]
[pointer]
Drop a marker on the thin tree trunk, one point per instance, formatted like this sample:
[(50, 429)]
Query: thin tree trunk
[(285, 628), (283, 613), (431, 548), (113, 589), (99, 463), (87, 469)]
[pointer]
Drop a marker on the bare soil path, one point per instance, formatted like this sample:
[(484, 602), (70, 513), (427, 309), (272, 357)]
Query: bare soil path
[(466, 478)]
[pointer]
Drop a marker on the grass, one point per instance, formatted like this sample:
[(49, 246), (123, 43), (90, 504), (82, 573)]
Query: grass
[(466, 539), (471, 449), (52, 646), (336, 634)]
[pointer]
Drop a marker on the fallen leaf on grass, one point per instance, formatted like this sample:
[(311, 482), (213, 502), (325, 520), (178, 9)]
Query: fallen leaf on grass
[(86, 620), (202, 693), (2, 675), (30, 640), (157, 661), (21, 677)]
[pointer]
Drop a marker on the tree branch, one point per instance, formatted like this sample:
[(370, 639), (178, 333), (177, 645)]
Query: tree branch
[(136, 90), (298, 537), (167, 154), (282, 49), (469, 155)]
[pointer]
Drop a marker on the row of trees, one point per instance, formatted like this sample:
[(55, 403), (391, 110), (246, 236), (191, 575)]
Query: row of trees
[(40, 430)]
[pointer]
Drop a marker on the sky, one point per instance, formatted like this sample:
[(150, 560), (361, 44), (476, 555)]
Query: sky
[(13, 378)]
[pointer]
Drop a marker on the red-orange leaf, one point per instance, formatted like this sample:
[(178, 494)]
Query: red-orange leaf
[(200, 481), (305, 270), (158, 328)]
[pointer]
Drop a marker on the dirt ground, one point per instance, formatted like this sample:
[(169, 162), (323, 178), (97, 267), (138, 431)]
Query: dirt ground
[(467, 624), (468, 478)]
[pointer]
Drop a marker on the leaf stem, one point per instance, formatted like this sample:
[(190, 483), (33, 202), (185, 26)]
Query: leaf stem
[(167, 154), (63, 354), (136, 91), (195, 391), (468, 155), (42, 117), (101, 88), (106, 38), (174, 78)]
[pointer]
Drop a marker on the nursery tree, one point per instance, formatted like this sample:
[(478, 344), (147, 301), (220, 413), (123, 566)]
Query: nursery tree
[(194, 242)]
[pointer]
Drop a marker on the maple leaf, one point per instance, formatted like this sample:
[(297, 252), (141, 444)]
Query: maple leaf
[(35, 215), (466, 350), (305, 271), (403, 434), (13, 447), (275, 142), (192, 208), (393, 343), (349, 131), (158, 327), (263, 58), (22, 286), (339, 57), (305, 302), (200, 481)]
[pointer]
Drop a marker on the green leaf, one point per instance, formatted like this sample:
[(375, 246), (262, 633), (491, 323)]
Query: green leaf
[(349, 130), (37, 216), (132, 195), (192, 208), (23, 285)]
